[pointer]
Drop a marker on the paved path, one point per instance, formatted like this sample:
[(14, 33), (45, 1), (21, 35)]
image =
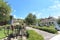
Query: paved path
[(57, 37), (24, 38), (46, 35), (58, 32)]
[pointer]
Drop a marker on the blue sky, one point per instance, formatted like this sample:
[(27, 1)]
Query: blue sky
[(41, 8)]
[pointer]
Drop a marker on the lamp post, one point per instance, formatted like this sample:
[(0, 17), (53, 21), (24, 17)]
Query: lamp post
[(11, 23)]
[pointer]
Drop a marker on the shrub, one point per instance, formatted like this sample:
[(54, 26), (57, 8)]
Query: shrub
[(0, 28)]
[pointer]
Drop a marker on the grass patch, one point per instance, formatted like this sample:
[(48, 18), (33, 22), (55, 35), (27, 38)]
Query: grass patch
[(34, 36), (2, 34)]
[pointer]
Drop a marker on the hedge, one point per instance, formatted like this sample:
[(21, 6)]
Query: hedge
[(47, 29)]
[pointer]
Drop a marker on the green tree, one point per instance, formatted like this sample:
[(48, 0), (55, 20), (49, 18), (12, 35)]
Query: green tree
[(58, 20), (5, 11), (30, 19), (34, 19)]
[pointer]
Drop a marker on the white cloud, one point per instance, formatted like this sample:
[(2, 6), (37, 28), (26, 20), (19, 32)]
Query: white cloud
[(56, 4), (55, 17), (54, 9), (14, 16), (21, 18), (13, 10), (37, 14), (33, 13)]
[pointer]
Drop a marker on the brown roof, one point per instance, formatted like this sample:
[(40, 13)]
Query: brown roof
[(47, 19)]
